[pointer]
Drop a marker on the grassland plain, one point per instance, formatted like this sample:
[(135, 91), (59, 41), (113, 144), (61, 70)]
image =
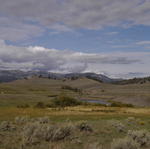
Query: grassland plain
[(36, 89), (78, 127)]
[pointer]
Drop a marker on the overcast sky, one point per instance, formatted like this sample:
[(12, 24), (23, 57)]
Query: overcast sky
[(111, 37)]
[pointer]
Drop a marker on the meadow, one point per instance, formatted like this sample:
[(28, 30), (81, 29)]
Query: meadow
[(23, 125), (31, 91)]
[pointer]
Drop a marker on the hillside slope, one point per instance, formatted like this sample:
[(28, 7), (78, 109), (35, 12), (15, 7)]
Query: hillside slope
[(33, 90)]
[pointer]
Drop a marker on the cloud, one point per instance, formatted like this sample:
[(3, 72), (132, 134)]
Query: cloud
[(112, 33), (25, 18), (132, 75), (14, 30), (66, 61), (147, 47), (122, 46), (61, 28), (143, 43)]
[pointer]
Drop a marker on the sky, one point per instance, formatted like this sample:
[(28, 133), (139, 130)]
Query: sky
[(110, 37)]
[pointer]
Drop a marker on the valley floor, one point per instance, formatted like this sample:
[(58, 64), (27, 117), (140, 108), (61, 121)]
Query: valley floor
[(34, 90)]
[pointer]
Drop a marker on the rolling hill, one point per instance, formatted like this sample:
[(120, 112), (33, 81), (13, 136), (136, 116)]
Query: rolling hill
[(35, 89)]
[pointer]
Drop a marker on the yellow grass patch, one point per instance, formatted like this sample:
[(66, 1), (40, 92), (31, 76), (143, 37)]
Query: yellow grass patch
[(10, 113)]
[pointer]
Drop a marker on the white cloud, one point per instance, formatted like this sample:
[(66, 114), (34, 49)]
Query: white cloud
[(65, 61), (24, 18), (143, 42)]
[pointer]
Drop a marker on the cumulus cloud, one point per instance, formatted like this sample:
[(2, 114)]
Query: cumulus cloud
[(25, 18), (67, 61)]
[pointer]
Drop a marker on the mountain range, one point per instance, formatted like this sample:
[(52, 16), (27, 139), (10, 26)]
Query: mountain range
[(12, 75)]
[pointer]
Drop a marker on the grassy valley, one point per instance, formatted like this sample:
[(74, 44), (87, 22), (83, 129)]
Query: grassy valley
[(33, 90), (29, 121)]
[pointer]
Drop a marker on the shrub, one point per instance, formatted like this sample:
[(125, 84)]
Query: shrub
[(118, 125), (23, 106), (7, 126), (141, 122), (63, 101), (142, 137), (74, 89), (21, 120), (40, 105), (28, 132), (34, 133), (119, 104), (84, 126), (43, 120), (125, 143), (61, 133), (51, 95)]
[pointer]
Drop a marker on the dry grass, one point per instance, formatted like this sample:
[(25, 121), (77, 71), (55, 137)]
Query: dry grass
[(7, 113)]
